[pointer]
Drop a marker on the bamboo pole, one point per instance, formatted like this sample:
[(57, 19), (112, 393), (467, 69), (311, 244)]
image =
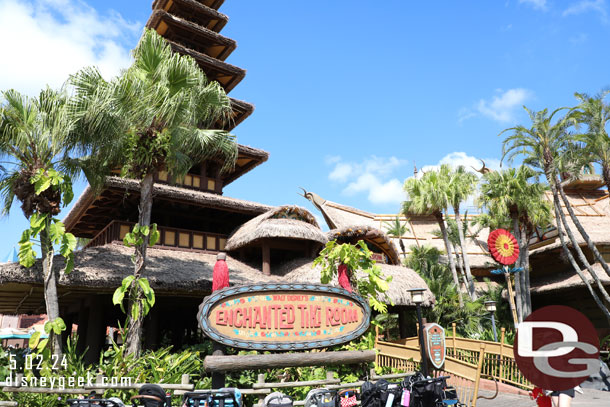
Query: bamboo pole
[(511, 297)]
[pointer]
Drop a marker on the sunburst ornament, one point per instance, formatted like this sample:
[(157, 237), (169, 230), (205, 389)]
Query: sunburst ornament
[(503, 246)]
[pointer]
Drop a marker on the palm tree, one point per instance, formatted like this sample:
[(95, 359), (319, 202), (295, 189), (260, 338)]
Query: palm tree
[(454, 238), (595, 114), (428, 195), (461, 185), (34, 134), (397, 229), (154, 117), (510, 194), (542, 146)]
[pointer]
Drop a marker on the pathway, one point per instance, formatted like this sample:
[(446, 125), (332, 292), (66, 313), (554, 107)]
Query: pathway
[(591, 398)]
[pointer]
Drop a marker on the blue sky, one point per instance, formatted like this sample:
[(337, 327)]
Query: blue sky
[(349, 95)]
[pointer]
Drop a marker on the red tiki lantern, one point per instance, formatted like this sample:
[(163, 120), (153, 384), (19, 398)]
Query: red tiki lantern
[(503, 246), (220, 277)]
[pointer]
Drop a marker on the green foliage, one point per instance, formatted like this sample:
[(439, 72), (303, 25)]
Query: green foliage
[(357, 259), (56, 235), (165, 366), (471, 319), (137, 234), (396, 227), (130, 285), (54, 230), (156, 116)]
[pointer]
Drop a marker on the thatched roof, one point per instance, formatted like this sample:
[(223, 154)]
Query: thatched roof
[(585, 182), (568, 280), (191, 35), (285, 222), (226, 74), (167, 270), (101, 269), (241, 111), (161, 191), (421, 231), (403, 279), (368, 233), (592, 208), (194, 11)]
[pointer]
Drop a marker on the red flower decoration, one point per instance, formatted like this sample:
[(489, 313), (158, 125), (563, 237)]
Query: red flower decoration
[(503, 246)]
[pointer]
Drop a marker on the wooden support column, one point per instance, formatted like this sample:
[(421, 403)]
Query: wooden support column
[(96, 331), (83, 322), (266, 259), (151, 329), (69, 320), (403, 321)]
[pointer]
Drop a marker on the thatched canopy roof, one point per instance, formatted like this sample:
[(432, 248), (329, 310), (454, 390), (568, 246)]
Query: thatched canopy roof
[(592, 208), (568, 280), (585, 182), (351, 234), (226, 74), (420, 231), (194, 11), (283, 222), (403, 279), (101, 269), (191, 35), (91, 208)]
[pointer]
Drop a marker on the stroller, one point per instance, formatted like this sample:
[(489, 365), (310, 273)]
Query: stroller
[(227, 397), (430, 392), (149, 395)]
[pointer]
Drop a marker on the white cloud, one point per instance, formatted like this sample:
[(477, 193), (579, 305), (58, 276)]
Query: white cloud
[(471, 164), (501, 107), (457, 158), (371, 177), (536, 4), (584, 6), (44, 41), (341, 172)]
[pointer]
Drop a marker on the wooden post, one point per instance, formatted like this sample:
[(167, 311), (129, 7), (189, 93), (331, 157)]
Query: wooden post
[(68, 319), (83, 322), (503, 332), (511, 297), (402, 322), (266, 259), (218, 377), (453, 339), (96, 331), (475, 394), (99, 381), (216, 363), (261, 380)]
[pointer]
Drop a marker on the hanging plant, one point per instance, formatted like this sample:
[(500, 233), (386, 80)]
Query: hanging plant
[(503, 246)]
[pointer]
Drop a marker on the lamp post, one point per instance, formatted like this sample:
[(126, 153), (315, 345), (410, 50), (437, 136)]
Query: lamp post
[(490, 306), (417, 295)]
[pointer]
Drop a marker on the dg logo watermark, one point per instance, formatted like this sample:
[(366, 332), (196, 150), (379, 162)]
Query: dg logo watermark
[(557, 348)]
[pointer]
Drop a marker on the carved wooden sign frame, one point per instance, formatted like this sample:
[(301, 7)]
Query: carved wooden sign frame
[(283, 316), (434, 336)]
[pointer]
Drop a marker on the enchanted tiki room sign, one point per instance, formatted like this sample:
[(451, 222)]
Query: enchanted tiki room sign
[(434, 335), (283, 316)]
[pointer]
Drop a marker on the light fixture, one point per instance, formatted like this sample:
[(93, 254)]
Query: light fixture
[(490, 306), (417, 295)]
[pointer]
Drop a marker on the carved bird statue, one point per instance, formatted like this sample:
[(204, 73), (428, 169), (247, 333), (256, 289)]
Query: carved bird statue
[(484, 170)]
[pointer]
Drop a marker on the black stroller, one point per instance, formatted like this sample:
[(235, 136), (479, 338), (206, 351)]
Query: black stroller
[(149, 395)]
